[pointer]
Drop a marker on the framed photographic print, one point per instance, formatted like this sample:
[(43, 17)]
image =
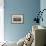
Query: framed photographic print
[(17, 19)]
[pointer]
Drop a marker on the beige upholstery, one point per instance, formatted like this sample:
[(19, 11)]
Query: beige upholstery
[(39, 35), (45, 37)]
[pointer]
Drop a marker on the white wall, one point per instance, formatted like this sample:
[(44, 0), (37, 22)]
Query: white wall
[(1, 20)]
